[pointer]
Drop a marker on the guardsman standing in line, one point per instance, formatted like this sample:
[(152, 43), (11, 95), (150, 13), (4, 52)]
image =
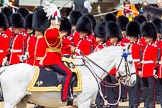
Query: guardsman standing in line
[(84, 28), (133, 31), (74, 16), (158, 71), (123, 21), (18, 38), (113, 32), (141, 19), (39, 24), (148, 30), (65, 33), (3, 39), (31, 40), (100, 34)]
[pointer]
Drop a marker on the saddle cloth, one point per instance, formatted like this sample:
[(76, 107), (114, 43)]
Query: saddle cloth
[(44, 80)]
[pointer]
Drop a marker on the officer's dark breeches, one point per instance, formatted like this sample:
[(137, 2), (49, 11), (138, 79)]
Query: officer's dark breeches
[(63, 70)]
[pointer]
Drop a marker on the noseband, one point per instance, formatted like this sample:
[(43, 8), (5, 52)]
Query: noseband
[(124, 78)]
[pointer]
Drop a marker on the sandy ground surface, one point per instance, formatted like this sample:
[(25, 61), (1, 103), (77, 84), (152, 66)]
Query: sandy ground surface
[(121, 105)]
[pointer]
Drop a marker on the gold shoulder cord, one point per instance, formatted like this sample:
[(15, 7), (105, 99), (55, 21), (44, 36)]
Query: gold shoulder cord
[(50, 45)]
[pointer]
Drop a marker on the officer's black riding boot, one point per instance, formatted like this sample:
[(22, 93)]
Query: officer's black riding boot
[(70, 91)]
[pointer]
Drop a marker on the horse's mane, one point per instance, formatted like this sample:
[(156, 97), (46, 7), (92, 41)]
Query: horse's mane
[(151, 12), (113, 50)]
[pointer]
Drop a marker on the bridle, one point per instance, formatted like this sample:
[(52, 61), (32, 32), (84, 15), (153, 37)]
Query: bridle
[(125, 78)]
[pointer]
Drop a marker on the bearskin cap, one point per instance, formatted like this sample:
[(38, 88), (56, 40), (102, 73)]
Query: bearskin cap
[(133, 29), (109, 17), (148, 29), (23, 11), (7, 12), (99, 30), (140, 19), (92, 18), (28, 21), (113, 30), (40, 21), (84, 24), (74, 17), (158, 24), (3, 21), (122, 21), (65, 25), (17, 20)]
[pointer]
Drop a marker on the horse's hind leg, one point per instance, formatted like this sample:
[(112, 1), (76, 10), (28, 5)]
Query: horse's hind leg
[(22, 104)]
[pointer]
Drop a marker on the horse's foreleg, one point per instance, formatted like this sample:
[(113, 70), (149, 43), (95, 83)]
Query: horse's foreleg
[(85, 104), (8, 105), (22, 104)]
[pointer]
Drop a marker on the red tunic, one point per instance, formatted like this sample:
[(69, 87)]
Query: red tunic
[(99, 46), (149, 59), (53, 51), (17, 47), (3, 46), (31, 42), (40, 50), (66, 45), (159, 45), (135, 48)]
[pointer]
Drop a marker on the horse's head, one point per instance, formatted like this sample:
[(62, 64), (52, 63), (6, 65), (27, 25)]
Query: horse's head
[(126, 68)]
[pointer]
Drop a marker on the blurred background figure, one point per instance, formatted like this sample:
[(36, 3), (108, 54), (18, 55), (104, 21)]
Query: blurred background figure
[(128, 10), (159, 3)]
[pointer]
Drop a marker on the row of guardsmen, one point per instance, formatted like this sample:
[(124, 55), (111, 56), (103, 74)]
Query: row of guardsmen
[(80, 33)]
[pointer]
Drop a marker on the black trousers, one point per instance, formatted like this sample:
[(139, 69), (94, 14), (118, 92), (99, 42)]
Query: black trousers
[(133, 94), (149, 91)]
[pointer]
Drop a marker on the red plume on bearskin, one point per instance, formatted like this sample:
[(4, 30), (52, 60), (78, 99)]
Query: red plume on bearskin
[(148, 29)]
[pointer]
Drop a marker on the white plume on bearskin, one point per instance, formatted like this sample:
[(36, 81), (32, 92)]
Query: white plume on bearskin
[(52, 11)]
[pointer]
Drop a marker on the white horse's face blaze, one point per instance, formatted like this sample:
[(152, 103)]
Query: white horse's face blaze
[(127, 70)]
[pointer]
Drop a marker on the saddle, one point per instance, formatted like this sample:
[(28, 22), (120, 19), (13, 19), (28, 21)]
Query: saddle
[(45, 79)]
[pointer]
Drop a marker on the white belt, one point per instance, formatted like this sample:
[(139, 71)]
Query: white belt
[(12, 50), (147, 62), (136, 60), (1, 51)]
